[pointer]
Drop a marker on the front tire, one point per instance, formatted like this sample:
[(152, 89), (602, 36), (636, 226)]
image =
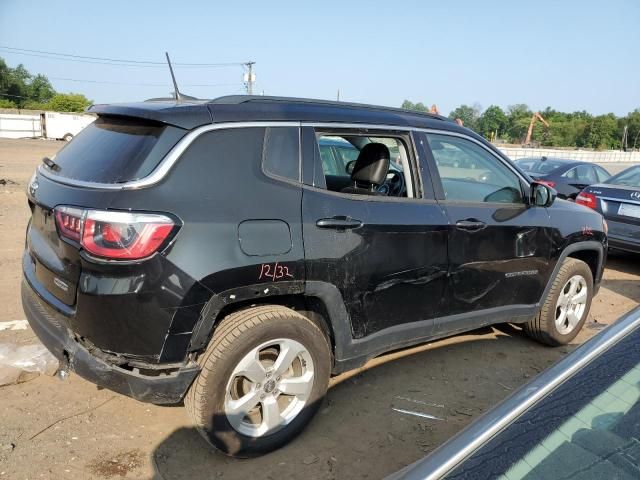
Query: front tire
[(263, 378), (566, 307)]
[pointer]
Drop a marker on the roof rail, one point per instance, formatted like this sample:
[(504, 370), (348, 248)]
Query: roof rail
[(172, 99), (238, 99)]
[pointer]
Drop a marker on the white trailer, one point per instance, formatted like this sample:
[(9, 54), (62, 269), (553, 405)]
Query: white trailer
[(13, 125), (63, 126)]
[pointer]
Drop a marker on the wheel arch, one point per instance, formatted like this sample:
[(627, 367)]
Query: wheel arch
[(591, 252), (591, 257), (321, 302)]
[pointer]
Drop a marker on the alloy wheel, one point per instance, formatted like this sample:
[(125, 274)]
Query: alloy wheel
[(269, 387), (571, 304)]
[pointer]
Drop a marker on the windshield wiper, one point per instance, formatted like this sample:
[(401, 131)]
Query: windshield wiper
[(51, 164)]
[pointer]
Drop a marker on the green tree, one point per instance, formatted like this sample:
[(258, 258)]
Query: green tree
[(468, 114), (632, 122), (25, 90), (418, 107), (67, 102), (492, 121), (518, 118), (40, 89), (18, 84), (31, 105), (5, 76), (601, 132), (4, 103)]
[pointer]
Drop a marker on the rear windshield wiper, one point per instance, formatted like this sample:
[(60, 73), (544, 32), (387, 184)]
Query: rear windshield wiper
[(51, 164)]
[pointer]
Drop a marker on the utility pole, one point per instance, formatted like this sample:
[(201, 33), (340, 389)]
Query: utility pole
[(338, 96), (249, 77)]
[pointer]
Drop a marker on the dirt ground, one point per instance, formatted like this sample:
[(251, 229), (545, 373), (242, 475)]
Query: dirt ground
[(54, 429)]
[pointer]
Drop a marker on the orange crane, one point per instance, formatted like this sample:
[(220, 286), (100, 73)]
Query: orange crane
[(534, 117)]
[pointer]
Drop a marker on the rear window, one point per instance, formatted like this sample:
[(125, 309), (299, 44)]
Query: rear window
[(627, 178), (540, 167), (115, 150)]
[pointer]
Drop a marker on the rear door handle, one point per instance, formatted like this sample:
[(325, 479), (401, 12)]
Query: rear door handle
[(471, 224), (340, 223)]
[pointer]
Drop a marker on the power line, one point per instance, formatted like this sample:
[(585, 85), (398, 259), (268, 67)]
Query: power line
[(111, 61), (106, 82)]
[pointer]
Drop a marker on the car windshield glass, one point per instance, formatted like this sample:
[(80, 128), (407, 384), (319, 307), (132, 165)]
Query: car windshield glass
[(539, 167), (627, 178), (588, 427)]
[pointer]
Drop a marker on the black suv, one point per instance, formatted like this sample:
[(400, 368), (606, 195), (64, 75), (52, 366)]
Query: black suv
[(199, 250)]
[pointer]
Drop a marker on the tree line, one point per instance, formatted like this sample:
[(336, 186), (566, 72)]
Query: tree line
[(23, 90), (576, 129)]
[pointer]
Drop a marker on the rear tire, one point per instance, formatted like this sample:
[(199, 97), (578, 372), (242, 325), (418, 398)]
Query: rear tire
[(264, 376), (68, 137), (566, 307)]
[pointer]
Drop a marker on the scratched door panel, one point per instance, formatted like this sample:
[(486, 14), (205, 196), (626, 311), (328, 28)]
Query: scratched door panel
[(391, 270), (505, 263)]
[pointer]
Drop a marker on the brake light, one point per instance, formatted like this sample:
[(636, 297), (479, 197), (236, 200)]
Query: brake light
[(587, 199), (115, 235), (69, 221), (548, 183)]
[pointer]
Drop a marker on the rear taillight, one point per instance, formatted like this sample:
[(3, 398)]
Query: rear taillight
[(548, 183), (587, 199), (115, 235), (69, 221)]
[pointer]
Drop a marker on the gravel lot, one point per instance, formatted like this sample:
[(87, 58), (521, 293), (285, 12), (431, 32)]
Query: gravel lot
[(53, 429)]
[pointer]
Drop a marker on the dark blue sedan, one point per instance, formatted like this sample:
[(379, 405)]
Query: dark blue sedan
[(618, 200), (567, 177)]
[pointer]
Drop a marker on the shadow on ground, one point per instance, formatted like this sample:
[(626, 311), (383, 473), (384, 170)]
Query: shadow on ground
[(442, 379), (626, 264)]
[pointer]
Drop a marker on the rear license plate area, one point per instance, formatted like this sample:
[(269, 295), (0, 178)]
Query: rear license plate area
[(62, 289), (628, 210)]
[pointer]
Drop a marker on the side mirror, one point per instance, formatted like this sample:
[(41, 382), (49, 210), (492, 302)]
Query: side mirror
[(350, 166), (542, 195)]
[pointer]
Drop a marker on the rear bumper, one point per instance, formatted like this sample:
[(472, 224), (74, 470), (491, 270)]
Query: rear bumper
[(50, 327), (623, 244), (624, 235)]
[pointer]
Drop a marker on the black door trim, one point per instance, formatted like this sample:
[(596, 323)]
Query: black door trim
[(352, 352)]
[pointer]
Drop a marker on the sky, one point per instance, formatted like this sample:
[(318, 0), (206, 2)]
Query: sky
[(570, 55)]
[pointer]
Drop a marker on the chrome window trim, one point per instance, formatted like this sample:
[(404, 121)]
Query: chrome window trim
[(441, 462), (174, 154), (166, 163), (360, 126)]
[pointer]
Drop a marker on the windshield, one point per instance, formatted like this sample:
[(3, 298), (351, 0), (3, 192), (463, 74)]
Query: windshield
[(114, 150), (628, 178), (587, 428), (538, 167)]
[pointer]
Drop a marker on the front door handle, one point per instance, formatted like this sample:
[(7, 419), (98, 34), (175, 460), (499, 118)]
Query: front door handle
[(340, 223), (471, 224)]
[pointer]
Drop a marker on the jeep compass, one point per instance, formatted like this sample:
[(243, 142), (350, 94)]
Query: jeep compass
[(212, 252)]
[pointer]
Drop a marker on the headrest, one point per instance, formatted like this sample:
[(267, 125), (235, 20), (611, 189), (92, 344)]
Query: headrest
[(372, 164)]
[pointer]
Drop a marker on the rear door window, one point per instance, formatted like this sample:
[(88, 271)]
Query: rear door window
[(116, 150), (586, 174), (602, 173), (281, 152)]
